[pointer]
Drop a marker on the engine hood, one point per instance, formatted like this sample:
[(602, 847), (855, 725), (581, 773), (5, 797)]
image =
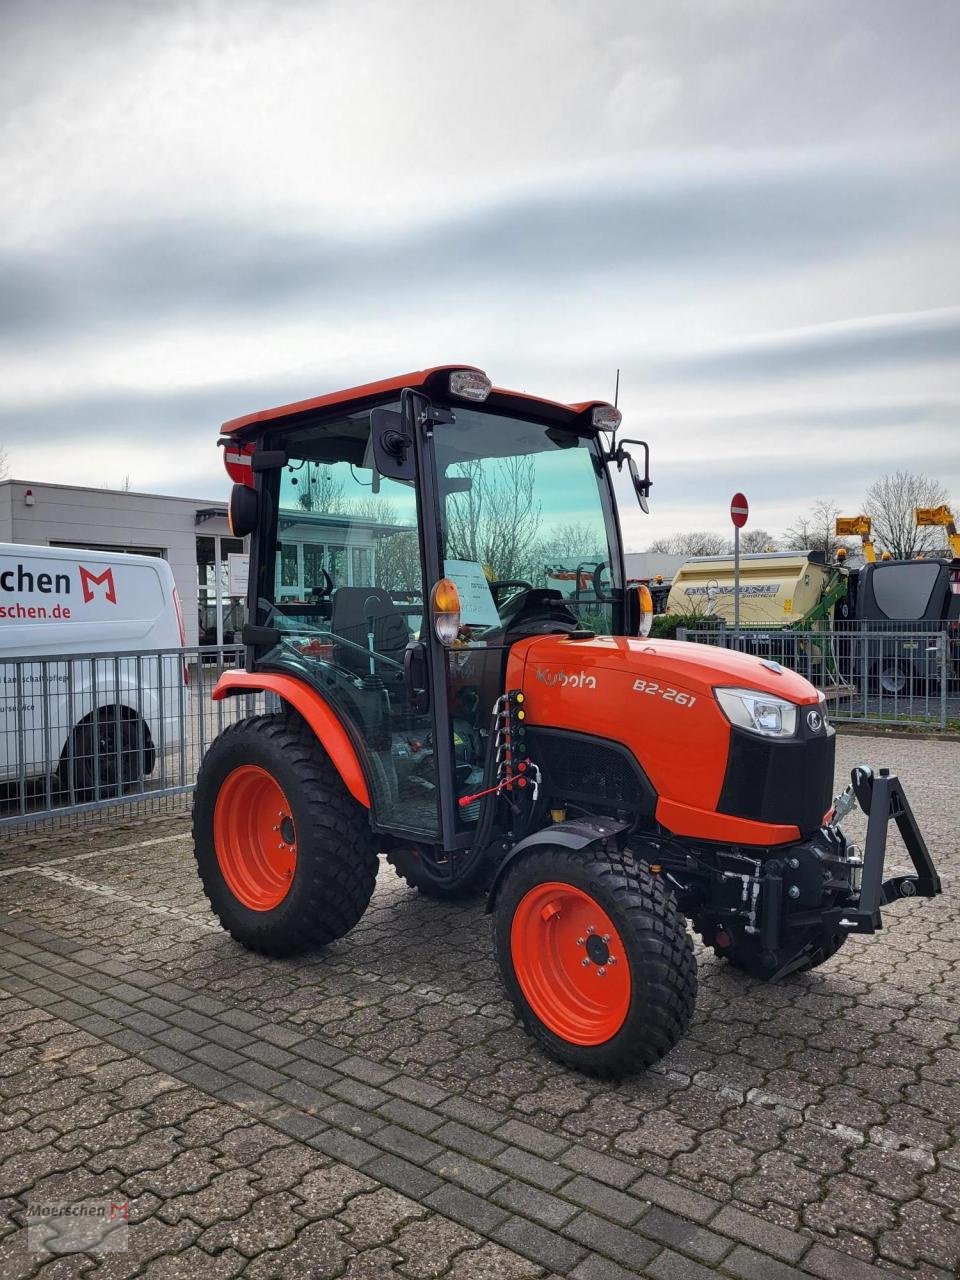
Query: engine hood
[(697, 668), (656, 699)]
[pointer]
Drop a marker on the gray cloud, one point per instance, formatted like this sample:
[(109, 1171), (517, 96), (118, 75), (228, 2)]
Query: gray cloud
[(873, 342), (618, 184), (710, 224)]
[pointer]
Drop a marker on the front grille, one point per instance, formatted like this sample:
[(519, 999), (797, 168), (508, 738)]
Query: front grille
[(578, 767), (784, 781)]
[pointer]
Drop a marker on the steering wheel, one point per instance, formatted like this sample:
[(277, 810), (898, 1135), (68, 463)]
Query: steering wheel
[(597, 583), (498, 586)]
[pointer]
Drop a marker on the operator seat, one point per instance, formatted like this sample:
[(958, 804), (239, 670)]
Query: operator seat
[(537, 612), (356, 612)]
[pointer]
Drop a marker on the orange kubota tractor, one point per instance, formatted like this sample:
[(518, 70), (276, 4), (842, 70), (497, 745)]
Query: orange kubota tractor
[(438, 701)]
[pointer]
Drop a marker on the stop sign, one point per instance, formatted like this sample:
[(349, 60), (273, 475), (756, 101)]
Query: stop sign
[(739, 510)]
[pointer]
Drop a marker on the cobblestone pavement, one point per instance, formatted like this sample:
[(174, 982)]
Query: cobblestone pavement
[(375, 1111)]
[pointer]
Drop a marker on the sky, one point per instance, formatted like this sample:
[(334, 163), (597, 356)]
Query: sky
[(751, 208)]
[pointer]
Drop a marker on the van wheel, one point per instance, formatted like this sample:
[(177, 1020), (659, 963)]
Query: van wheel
[(285, 854), (596, 959), (107, 754)]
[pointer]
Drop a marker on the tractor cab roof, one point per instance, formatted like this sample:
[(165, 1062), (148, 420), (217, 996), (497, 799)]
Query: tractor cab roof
[(433, 381)]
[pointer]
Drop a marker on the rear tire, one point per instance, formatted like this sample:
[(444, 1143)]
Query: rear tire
[(312, 885), (561, 918), (430, 881)]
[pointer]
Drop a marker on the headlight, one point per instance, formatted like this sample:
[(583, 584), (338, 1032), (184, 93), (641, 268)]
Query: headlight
[(762, 713)]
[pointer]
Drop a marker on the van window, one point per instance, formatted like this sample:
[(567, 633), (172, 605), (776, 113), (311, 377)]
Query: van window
[(903, 591)]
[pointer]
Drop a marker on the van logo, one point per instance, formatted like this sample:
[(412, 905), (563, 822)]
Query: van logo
[(575, 680), (89, 580)]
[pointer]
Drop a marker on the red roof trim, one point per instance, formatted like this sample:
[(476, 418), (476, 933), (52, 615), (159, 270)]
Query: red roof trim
[(371, 390)]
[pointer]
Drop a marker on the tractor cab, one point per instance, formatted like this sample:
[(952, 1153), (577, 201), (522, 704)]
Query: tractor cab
[(404, 537)]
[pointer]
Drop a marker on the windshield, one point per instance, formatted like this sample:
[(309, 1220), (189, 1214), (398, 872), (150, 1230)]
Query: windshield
[(522, 510)]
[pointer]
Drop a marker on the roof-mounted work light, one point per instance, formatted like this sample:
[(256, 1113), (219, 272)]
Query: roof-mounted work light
[(606, 417), (470, 384)]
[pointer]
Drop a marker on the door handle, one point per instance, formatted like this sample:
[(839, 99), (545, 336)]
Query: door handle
[(415, 676)]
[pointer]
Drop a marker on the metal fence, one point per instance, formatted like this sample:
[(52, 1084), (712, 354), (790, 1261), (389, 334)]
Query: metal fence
[(83, 733), (886, 673)]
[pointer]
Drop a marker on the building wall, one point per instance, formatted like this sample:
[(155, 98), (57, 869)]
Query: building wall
[(6, 513), (103, 517)]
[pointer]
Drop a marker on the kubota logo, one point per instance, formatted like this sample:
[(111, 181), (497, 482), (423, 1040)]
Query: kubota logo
[(89, 580), (575, 680)]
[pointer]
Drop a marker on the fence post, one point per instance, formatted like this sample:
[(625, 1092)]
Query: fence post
[(943, 648), (681, 633)]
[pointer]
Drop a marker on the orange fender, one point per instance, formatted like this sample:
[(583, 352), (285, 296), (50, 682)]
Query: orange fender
[(322, 720)]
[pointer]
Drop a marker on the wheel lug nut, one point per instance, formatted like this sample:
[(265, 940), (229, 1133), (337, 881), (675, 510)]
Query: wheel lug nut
[(606, 937), (580, 942), (585, 961), (601, 972), (590, 929), (611, 959)]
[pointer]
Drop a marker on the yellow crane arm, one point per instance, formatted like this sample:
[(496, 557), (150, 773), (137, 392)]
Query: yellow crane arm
[(943, 517), (858, 526)]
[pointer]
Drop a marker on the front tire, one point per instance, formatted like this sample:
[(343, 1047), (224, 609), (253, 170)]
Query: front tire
[(285, 854), (596, 959)]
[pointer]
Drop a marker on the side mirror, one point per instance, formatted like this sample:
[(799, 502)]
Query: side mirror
[(243, 512), (392, 444), (641, 484)]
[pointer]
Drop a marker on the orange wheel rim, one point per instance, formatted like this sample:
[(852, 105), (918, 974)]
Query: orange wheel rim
[(570, 963), (254, 837)]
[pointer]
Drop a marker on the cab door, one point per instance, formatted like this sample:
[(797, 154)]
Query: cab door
[(345, 576)]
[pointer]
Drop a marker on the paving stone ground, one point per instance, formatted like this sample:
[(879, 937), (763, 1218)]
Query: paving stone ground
[(375, 1111)]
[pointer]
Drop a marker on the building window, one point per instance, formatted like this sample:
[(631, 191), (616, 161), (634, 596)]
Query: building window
[(362, 566), (337, 565), (288, 565), (312, 565)]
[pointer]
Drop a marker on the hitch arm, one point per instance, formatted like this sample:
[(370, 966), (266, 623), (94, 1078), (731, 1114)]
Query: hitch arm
[(882, 797), (887, 800)]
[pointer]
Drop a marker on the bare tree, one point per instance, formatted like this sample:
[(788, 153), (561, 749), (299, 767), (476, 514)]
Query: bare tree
[(318, 489), (816, 530), (890, 503), (496, 521), (396, 543), (755, 540), (571, 545), (695, 542)]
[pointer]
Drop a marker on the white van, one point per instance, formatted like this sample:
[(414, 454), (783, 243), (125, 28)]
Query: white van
[(96, 725)]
